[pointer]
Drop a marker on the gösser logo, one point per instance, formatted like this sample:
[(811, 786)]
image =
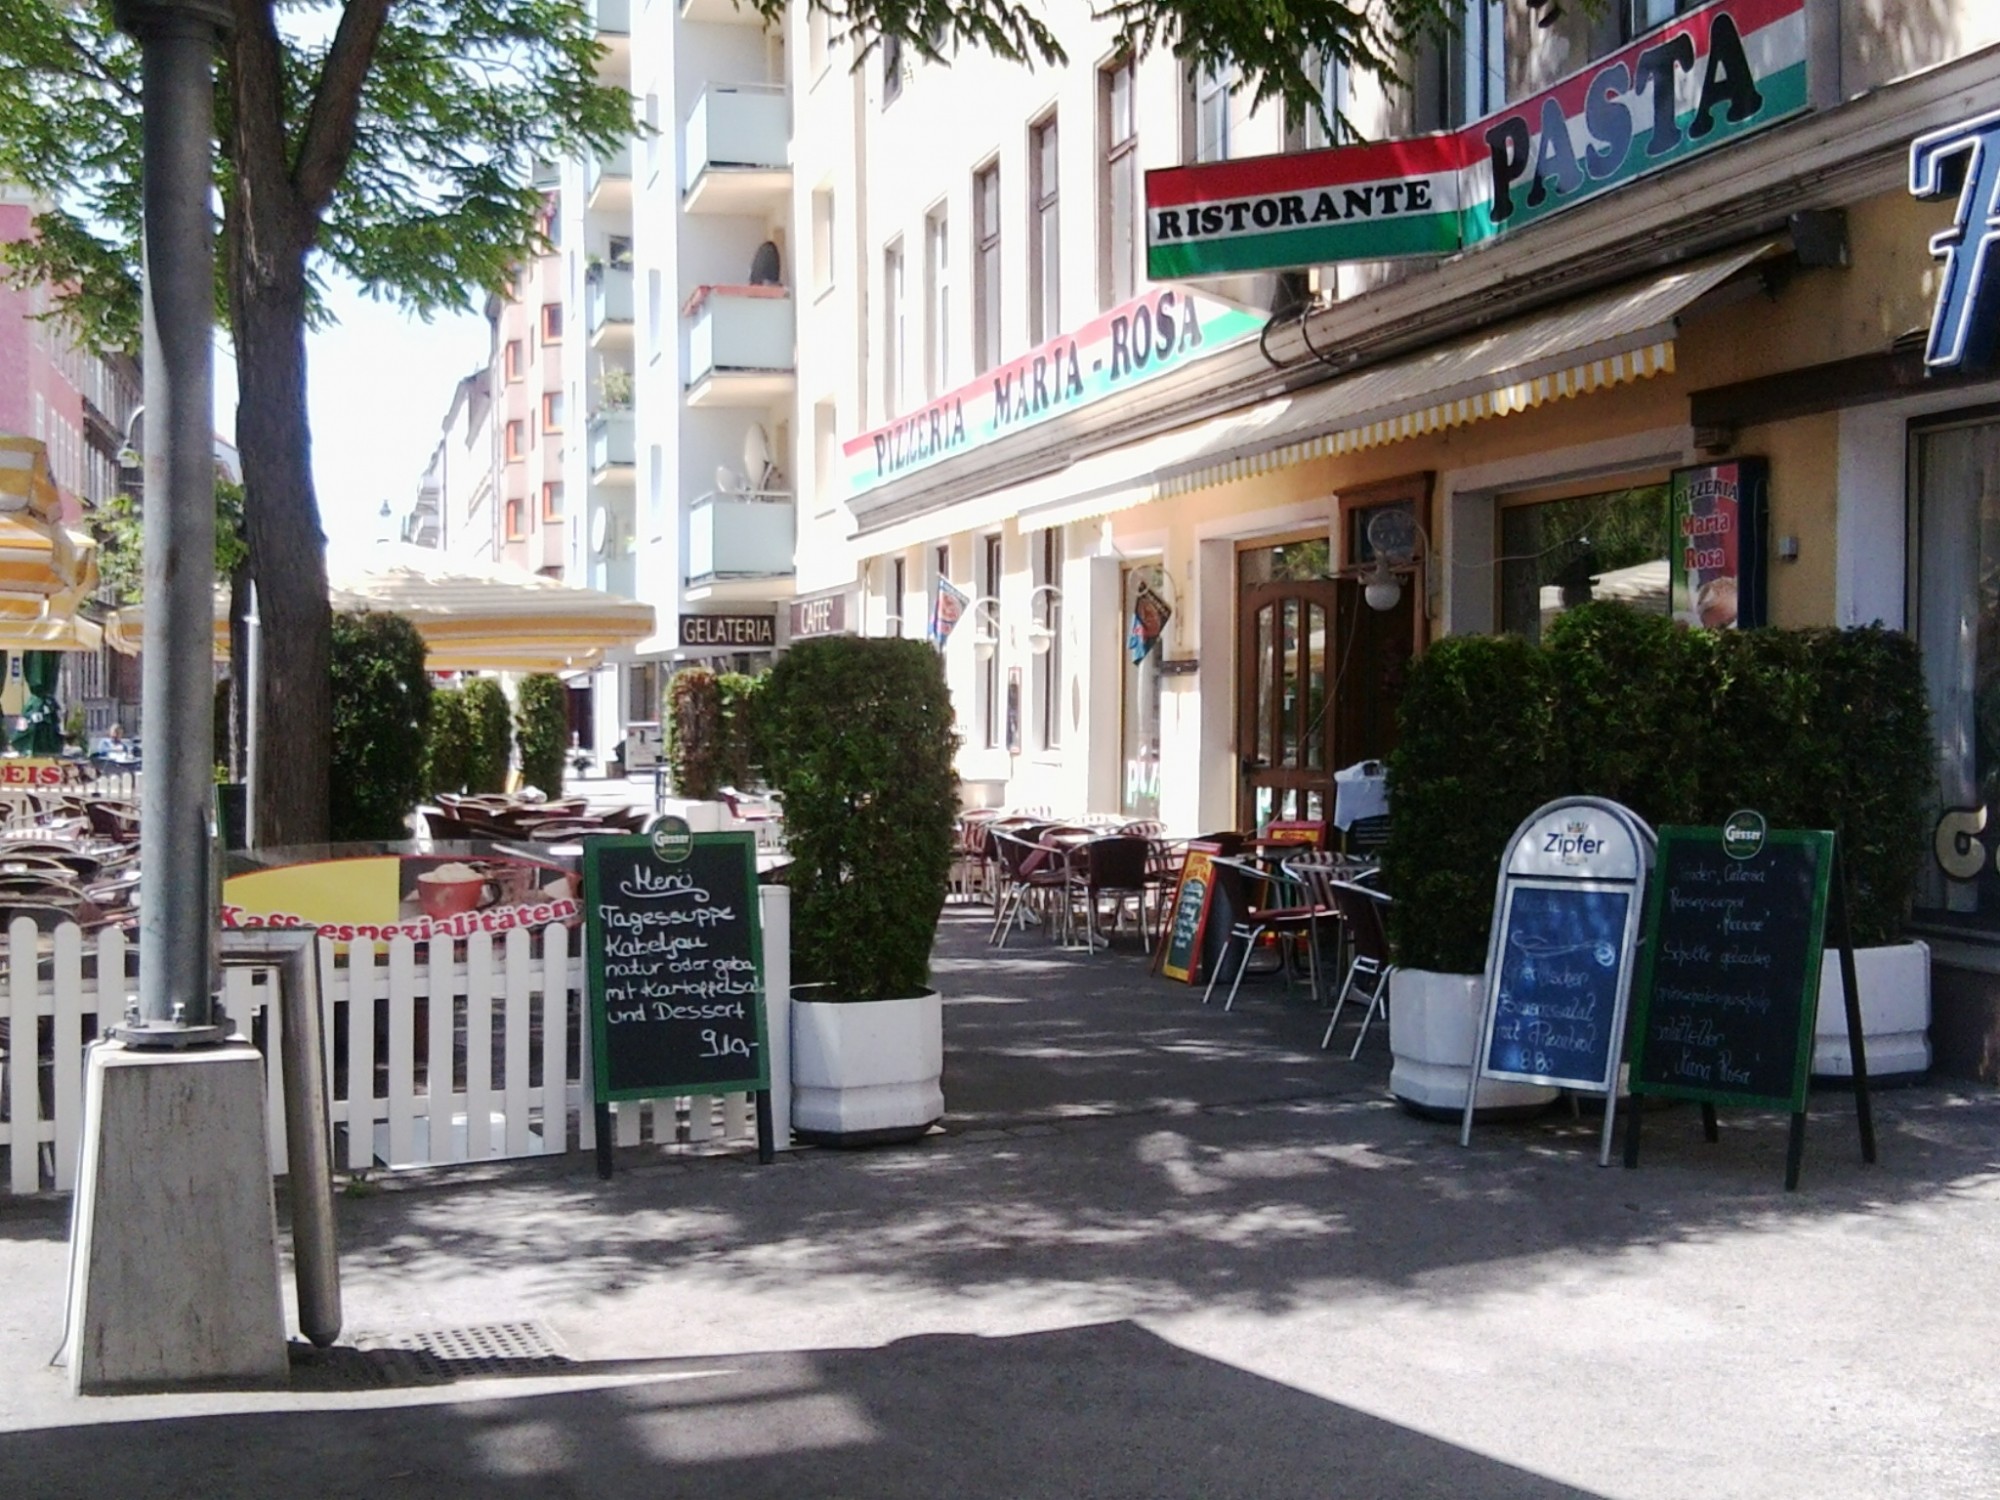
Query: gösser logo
[(673, 840), (1743, 835), (1573, 843)]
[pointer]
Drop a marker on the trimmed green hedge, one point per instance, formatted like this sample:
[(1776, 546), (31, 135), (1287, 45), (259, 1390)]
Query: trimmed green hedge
[(857, 739), (694, 733), (1813, 728), (448, 744), (381, 712), (541, 730), (491, 721)]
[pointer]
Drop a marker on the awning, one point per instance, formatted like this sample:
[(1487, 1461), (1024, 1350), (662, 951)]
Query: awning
[(474, 616), (46, 570), (1614, 338)]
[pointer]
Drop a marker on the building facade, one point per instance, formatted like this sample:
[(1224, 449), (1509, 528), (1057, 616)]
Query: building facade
[(1684, 256), (678, 248)]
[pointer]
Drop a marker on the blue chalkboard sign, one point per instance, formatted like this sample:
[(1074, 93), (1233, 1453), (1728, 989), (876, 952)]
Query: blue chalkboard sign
[(1556, 1013)]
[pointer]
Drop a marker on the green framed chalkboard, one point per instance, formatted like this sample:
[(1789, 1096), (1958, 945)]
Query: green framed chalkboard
[(1728, 986), (675, 966), (1183, 954)]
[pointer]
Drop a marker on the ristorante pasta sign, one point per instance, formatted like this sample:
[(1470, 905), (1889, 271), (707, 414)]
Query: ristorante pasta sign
[(1133, 343), (1713, 76)]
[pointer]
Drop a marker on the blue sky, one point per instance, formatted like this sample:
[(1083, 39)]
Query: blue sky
[(378, 383)]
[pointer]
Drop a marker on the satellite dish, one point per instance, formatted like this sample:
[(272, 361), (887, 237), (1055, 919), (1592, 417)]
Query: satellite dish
[(765, 268), (729, 482), (757, 453), (600, 531)]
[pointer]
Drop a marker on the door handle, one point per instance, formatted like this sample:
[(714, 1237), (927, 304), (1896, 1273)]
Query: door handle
[(1251, 763)]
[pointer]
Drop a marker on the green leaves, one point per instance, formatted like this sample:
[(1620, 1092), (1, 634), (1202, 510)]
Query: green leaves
[(541, 730), (381, 713)]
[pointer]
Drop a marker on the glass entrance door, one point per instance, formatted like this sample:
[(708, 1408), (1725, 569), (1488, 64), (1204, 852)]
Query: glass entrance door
[(1284, 633)]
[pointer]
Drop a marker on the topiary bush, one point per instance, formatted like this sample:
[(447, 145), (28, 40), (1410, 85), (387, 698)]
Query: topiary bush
[(694, 733), (1478, 753), (857, 741), (1812, 728), (449, 744), (491, 721), (739, 758), (381, 714), (541, 730)]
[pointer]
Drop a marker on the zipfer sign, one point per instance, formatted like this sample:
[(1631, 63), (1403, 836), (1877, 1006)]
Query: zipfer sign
[(1710, 77)]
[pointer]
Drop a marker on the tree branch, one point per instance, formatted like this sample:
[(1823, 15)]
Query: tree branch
[(329, 134)]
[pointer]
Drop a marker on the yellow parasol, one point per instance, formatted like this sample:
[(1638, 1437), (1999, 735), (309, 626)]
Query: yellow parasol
[(47, 571)]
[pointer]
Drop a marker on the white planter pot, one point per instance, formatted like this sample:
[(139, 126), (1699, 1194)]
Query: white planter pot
[(866, 1072), (1895, 983), (1433, 1033)]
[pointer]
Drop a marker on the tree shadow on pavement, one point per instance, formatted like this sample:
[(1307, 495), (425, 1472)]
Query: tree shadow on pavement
[(1106, 1410)]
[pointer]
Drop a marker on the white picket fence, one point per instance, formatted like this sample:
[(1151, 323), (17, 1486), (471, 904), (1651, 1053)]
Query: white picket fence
[(481, 1052)]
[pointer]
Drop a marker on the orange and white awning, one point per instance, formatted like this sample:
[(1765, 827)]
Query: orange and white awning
[(47, 571)]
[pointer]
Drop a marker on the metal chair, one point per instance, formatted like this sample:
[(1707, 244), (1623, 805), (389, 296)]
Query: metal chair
[(1026, 867), (1118, 866), (1361, 910), (1234, 880)]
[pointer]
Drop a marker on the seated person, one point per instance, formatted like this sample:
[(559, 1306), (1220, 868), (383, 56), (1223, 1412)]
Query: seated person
[(111, 744)]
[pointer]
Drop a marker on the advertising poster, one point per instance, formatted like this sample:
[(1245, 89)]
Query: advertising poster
[(1716, 561), (375, 896)]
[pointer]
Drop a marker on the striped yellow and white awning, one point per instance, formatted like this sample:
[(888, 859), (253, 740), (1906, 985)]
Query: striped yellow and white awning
[(1614, 338), (47, 571)]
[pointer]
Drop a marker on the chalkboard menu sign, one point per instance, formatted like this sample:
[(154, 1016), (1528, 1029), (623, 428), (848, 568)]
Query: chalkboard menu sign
[(1729, 987), (1181, 946), (675, 965), (1556, 1013)]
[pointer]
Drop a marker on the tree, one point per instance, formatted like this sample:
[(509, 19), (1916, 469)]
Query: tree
[(394, 141), (391, 140)]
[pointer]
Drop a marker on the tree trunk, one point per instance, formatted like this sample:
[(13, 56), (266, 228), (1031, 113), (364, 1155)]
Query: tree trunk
[(287, 550)]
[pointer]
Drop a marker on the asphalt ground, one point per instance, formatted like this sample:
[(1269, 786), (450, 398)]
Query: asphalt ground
[(1158, 1250)]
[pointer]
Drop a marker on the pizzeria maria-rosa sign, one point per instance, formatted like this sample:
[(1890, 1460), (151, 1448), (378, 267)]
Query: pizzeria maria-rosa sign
[(1133, 343), (1710, 77)]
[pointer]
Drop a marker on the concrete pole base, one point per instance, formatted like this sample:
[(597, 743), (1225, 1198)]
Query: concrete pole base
[(173, 1274)]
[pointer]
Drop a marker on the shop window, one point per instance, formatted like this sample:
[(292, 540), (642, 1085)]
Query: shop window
[(1956, 595), (642, 692), (1561, 553)]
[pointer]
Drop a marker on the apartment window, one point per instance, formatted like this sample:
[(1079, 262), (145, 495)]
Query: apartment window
[(989, 620), (1463, 77), (1122, 246), (1333, 90), (656, 297), (551, 322), (1045, 247), (517, 438), (826, 454), (552, 411), (652, 134), (986, 269), (516, 519), (1047, 636), (892, 70), (822, 226), (899, 588), (511, 360), (1211, 112), (1646, 14), (937, 301), (642, 692), (552, 501), (895, 325)]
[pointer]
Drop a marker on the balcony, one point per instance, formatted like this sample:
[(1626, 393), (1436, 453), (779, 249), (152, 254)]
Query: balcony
[(740, 547), (612, 448), (609, 180), (608, 308), (612, 20), (739, 346), (738, 150)]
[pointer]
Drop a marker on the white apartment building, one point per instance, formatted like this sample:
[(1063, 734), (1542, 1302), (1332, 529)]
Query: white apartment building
[(677, 247)]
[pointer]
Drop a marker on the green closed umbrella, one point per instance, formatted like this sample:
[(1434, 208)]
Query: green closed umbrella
[(41, 733)]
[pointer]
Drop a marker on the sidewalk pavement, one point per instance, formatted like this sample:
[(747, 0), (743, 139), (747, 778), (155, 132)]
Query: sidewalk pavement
[(1158, 1251)]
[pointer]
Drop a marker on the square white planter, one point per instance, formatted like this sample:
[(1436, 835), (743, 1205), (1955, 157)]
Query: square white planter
[(866, 1072), (1895, 984), (1433, 1033)]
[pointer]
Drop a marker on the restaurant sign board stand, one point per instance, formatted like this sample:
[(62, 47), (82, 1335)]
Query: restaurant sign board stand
[(1728, 994), (674, 964), (1183, 952), (1559, 962)]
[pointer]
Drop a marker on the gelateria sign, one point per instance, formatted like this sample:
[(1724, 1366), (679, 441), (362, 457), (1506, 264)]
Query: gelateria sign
[(1711, 77), (1125, 347)]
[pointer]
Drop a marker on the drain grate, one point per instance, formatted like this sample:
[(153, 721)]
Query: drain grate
[(432, 1356)]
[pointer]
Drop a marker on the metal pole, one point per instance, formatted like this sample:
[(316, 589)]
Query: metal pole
[(253, 631), (176, 899)]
